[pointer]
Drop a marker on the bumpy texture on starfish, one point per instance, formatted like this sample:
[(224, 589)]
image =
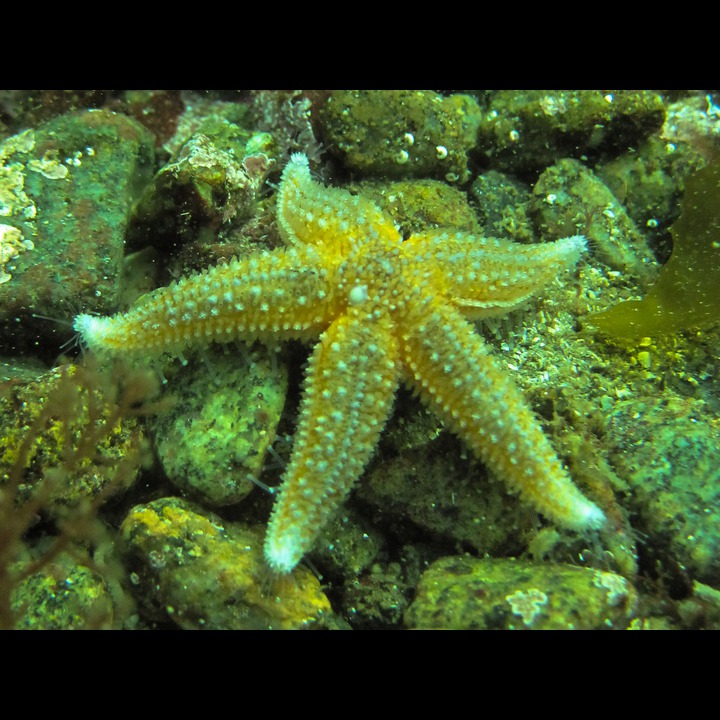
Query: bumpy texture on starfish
[(385, 311)]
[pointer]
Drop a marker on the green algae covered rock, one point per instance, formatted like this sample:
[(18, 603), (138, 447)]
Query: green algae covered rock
[(80, 445), (465, 593), (669, 454), (402, 133), (215, 437), (526, 130), (569, 199), (687, 292), (432, 488), (191, 567), (418, 205), (63, 596), (68, 188)]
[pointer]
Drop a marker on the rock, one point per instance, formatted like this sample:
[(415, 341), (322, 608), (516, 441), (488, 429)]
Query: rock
[(569, 199), (215, 437), (190, 567), (213, 180), (649, 182), (63, 595), (68, 187), (402, 133), (701, 611), (432, 488), (669, 453), (80, 445), (523, 131), (464, 593), (419, 205)]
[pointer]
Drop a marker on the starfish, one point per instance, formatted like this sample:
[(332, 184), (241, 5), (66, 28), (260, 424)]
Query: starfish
[(385, 311)]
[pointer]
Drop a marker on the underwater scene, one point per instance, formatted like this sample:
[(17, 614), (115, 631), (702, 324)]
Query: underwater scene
[(360, 359)]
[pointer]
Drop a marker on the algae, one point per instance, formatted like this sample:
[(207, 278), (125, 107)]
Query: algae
[(193, 568), (687, 292)]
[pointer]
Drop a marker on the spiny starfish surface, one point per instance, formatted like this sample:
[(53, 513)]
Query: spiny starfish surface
[(385, 311)]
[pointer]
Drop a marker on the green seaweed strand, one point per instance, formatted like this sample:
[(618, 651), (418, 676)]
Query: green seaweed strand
[(687, 293)]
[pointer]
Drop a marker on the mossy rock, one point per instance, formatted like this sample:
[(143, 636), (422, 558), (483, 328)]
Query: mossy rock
[(193, 568), (69, 187), (524, 131), (212, 442), (56, 413), (464, 593), (402, 133), (419, 205)]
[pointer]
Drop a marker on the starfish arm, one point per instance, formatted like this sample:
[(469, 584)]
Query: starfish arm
[(275, 296), (349, 388), (330, 217), (466, 386), (489, 276)]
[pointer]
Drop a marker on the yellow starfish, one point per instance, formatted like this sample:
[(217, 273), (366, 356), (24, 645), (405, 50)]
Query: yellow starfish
[(385, 310)]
